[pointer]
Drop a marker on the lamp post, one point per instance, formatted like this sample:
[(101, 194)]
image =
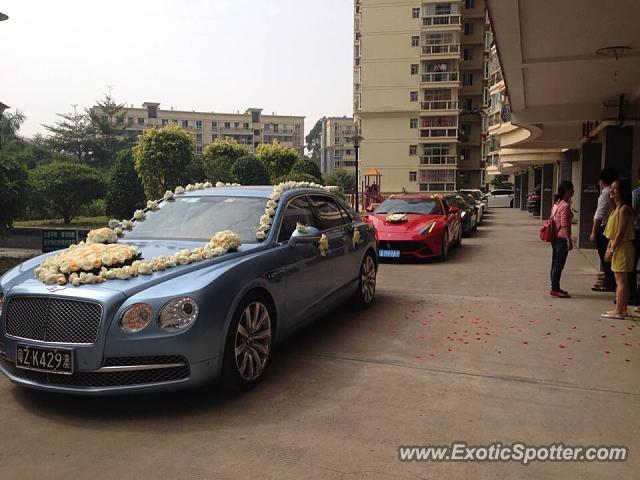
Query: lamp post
[(356, 146)]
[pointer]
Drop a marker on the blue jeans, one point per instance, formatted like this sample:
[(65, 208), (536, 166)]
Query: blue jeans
[(560, 248)]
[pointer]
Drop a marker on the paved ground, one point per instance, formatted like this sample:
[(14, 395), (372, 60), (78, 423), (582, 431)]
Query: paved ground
[(473, 349)]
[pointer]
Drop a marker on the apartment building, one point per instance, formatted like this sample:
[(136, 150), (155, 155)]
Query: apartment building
[(419, 77), (250, 128), (336, 144)]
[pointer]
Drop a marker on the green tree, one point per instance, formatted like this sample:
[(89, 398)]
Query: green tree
[(72, 136), (313, 140), (296, 177), (66, 186), (304, 165), (163, 159), (277, 158), (9, 125), (341, 178), (124, 190), (250, 171), (108, 130), (218, 159), (13, 188)]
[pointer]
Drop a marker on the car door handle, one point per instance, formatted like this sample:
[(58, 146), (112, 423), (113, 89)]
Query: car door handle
[(275, 275)]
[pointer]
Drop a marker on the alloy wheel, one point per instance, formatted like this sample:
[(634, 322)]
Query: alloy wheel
[(253, 341), (368, 279)]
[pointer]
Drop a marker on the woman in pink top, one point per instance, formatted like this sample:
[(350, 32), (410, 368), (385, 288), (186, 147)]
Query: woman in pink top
[(561, 244)]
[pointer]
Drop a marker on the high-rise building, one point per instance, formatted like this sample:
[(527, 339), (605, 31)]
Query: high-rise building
[(419, 77), (250, 128), (336, 144)]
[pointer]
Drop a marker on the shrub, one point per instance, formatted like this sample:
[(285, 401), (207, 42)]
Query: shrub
[(304, 165), (249, 171), (124, 190), (13, 191), (163, 159), (341, 178), (65, 187), (277, 158), (218, 159), (297, 177), (95, 208)]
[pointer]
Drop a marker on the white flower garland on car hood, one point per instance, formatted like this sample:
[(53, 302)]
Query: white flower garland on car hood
[(396, 217)]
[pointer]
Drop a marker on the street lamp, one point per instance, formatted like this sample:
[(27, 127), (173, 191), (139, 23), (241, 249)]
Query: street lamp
[(355, 138)]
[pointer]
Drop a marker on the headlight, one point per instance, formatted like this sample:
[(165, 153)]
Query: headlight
[(464, 213), (178, 314), (136, 317), (428, 228)]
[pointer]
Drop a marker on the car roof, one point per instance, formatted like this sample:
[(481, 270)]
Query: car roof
[(260, 191), (423, 196)]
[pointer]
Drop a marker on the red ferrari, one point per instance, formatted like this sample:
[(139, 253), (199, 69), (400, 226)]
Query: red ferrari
[(416, 225)]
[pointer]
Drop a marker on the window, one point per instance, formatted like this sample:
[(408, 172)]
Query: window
[(415, 12), (468, 28), (255, 117), (297, 211), (414, 68), (467, 54), (227, 125), (348, 151), (413, 176), (214, 124), (130, 120), (413, 96), (198, 137), (275, 127), (245, 126), (415, 41), (465, 154), (327, 212), (443, 9), (466, 104), (337, 153), (199, 150), (152, 111), (214, 137), (469, 4), (140, 121), (184, 123), (413, 123), (165, 122), (436, 94), (199, 124), (465, 130), (467, 79), (413, 149)]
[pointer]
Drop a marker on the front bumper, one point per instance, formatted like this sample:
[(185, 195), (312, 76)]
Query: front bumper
[(119, 375), (420, 249)]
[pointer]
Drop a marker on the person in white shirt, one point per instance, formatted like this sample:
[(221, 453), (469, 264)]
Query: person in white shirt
[(605, 206)]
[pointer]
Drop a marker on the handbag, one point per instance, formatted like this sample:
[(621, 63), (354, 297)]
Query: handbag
[(549, 229)]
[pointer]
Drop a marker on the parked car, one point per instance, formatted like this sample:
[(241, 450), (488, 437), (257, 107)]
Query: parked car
[(480, 196), (186, 325), (533, 201), (501, 198), (471, 199), (417, 226), (468, 212)]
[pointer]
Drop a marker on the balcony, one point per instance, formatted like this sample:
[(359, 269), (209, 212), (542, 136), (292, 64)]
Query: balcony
[(443, 49), (438, 20), (447, 133), (439, 160), (439, 105), (438, 77), (495, 77)]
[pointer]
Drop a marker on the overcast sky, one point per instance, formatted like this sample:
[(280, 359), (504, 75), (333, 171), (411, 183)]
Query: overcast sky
[(285, 56)]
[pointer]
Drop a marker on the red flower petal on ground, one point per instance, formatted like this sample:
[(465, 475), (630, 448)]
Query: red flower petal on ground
[(578, 340), (569, 358), (628, 344), (603, 336), (432, 354), (574, 327), (418, 356), (607, 352), (561, 346), (627, 360), (548, 333), (466, 343), (448, 349), (612, 326), (525, 343)]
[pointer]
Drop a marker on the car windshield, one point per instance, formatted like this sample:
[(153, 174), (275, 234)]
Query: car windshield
[(199, 218), (424, 206)]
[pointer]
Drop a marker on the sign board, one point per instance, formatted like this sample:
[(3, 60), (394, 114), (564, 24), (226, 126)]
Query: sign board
[(57, 239)]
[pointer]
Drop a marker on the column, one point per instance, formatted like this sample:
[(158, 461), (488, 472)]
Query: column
[(618, 148), (546, 190), (566, 164), (524, 190), (591, 160), (517, 191)]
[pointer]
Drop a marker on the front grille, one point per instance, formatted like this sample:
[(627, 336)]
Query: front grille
[(53, 319), (155, 360), (402, 246), (102, 379)]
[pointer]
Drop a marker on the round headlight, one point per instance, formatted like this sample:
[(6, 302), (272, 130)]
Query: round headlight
[(178, 314), (136, 317)]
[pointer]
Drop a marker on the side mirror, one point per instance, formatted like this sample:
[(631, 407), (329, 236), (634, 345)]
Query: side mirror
[(312, 235), (369, 209), (454, 210)]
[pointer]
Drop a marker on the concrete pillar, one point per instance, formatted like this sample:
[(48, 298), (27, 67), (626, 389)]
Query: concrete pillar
[(618, 148), (591, 161), (566, 164), (524, 190), (546, 191), (517, 191)]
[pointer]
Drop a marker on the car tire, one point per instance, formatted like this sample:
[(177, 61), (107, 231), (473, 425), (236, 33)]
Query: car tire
[(445, 247), (249, 343), (364, 296), (511, 203)]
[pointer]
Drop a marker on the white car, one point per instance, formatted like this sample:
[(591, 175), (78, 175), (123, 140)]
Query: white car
[(500, 198)]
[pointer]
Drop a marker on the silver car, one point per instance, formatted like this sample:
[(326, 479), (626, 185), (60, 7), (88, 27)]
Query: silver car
[(193, 323)]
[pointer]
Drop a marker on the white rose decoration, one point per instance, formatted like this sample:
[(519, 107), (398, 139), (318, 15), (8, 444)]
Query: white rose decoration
[(139, 214), (168, 195), (265, 220), (271, 204), (113, 223), (152, 205), (260, 235), (275, 196), (190, 188), (118, 231), (127, 224), (207, 185), (219, 184), (178, 190)]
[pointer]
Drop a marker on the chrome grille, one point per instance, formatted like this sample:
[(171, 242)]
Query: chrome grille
[(53, 319)]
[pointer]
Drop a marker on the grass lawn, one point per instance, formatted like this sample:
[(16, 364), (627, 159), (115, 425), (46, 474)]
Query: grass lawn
[(78, 222)]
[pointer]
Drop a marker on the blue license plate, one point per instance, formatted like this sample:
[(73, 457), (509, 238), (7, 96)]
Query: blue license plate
[(389, 253)]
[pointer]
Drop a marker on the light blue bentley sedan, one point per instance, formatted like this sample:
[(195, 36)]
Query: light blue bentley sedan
[(187, 325)]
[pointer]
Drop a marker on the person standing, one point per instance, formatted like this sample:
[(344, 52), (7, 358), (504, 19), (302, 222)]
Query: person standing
[(605, 206), (620, 250), (561, 244)]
